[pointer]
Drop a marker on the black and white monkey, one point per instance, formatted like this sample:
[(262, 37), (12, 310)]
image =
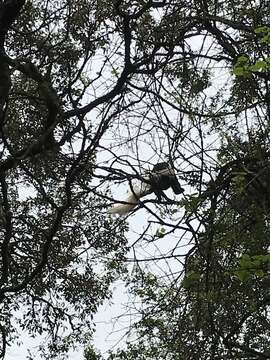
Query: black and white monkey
[(162, 177)]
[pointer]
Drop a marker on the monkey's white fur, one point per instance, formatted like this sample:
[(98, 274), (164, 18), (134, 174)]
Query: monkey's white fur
[(135, 193)]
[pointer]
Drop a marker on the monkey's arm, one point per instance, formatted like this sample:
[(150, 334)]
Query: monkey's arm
[(177, 189)]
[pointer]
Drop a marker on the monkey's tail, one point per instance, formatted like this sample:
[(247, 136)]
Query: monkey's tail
[(131, 202), (122, 209)]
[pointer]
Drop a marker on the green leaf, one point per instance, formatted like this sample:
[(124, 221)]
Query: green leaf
[(191, 279), (264, 31), (241, 68), (160, 233), (259, 65), (243, 275)]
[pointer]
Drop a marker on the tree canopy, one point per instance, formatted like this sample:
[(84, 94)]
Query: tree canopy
[(93, 93)]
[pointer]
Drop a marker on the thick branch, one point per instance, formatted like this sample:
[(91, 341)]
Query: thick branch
[(9, 11), (6, 218)]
